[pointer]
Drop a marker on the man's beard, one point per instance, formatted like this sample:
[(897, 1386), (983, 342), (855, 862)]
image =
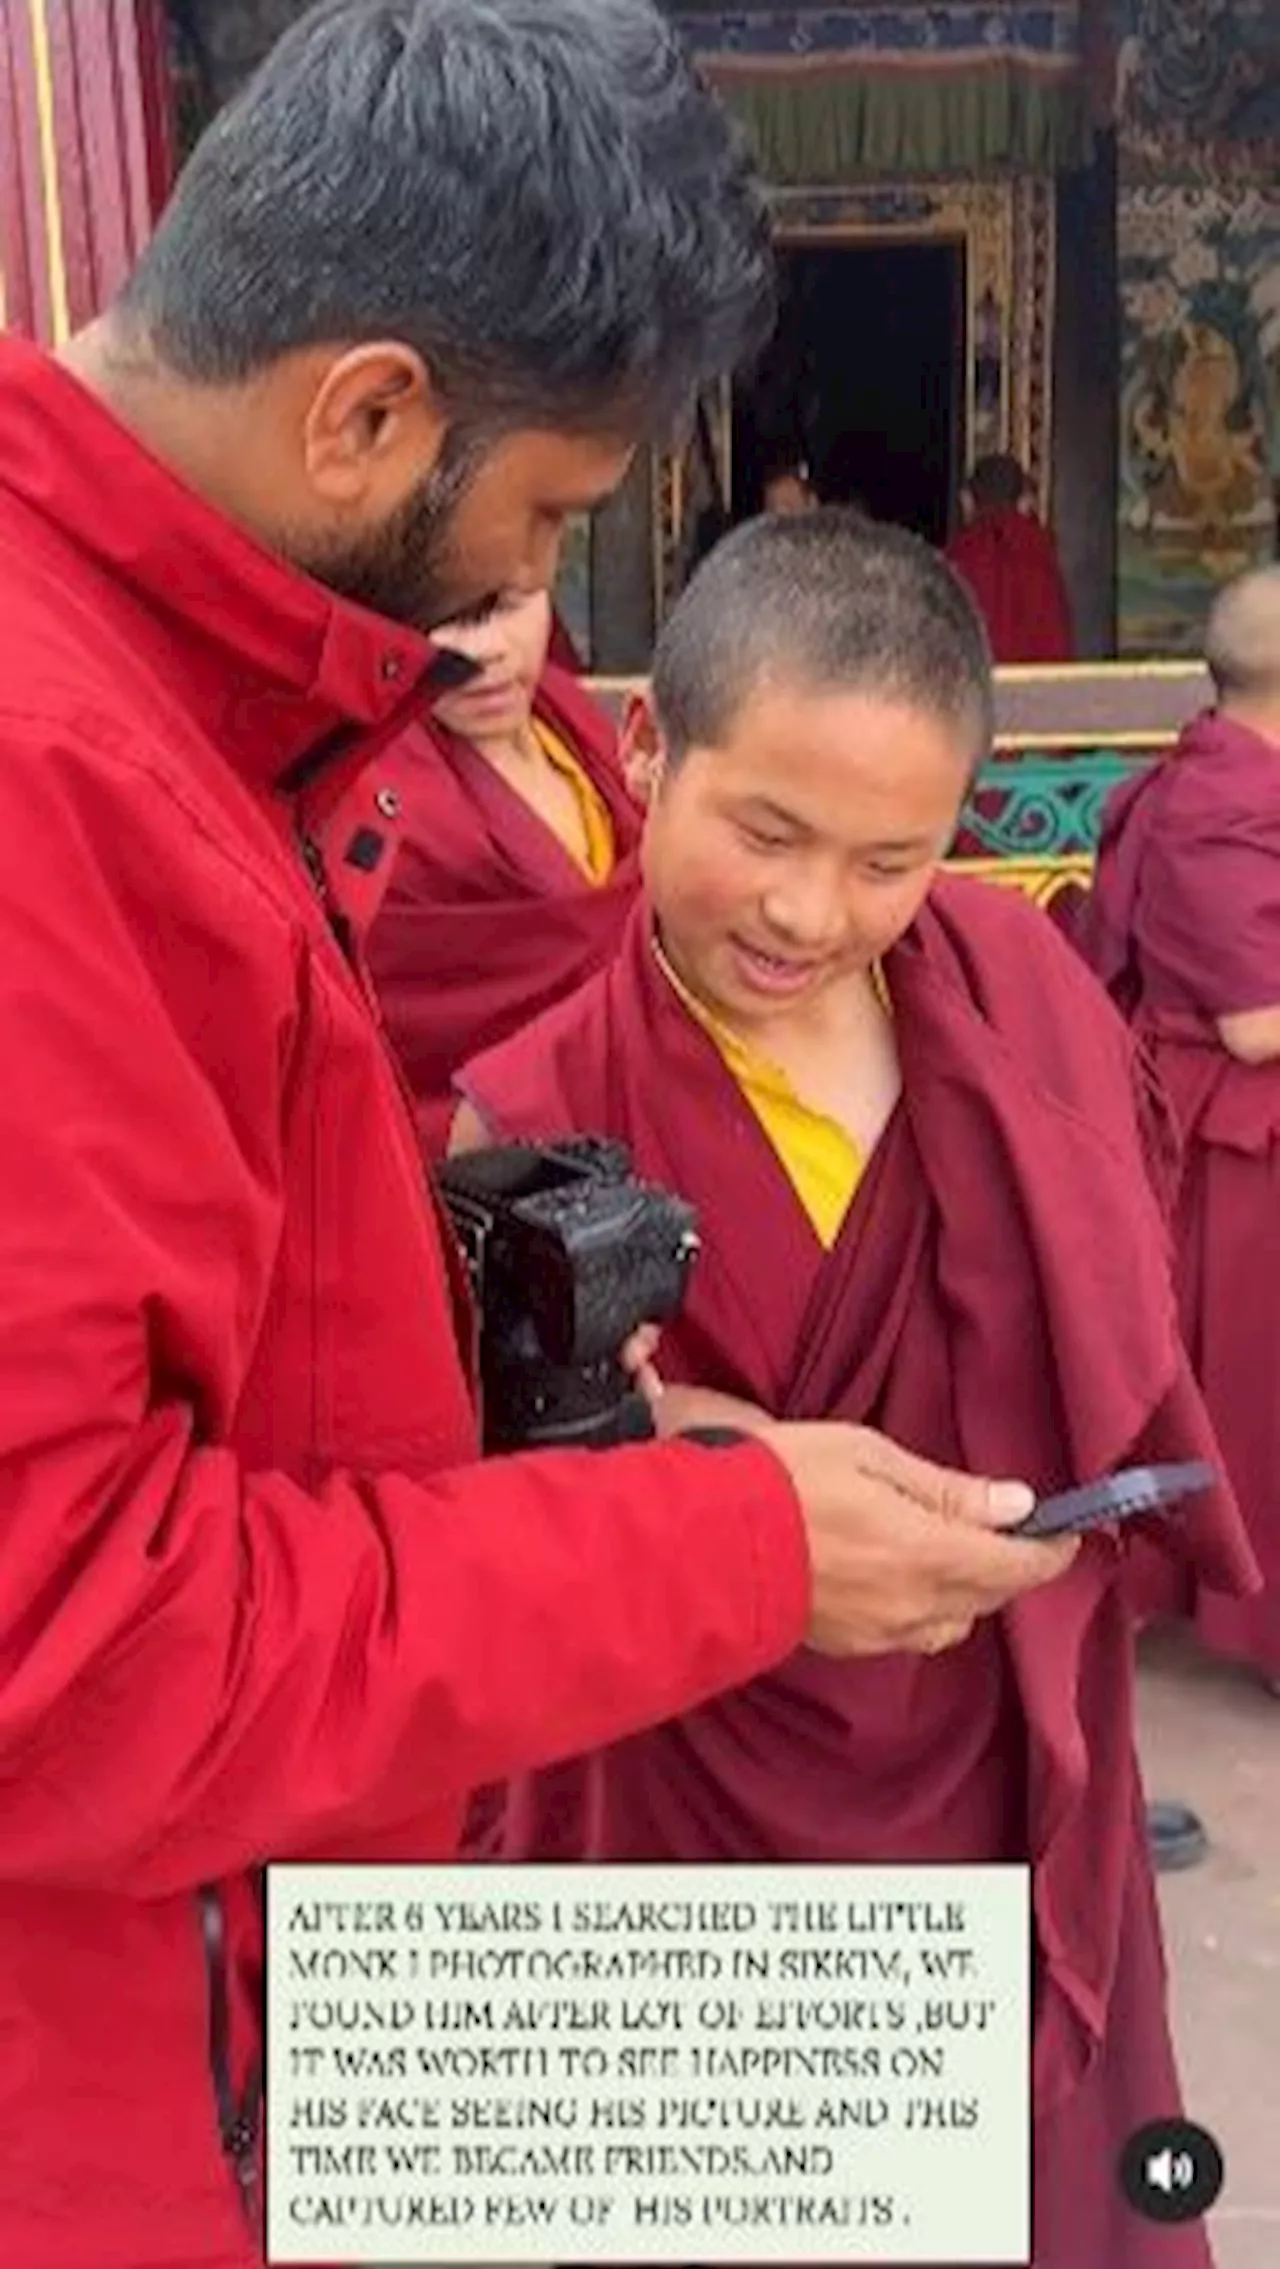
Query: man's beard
[(407, 570)]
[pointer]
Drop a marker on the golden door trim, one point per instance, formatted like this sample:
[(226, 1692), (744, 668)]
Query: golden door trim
[(1006, 229)]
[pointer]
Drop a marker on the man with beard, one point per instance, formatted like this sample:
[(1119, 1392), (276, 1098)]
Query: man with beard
[(421, 292)]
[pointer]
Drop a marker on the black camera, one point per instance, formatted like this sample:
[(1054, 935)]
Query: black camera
[(568, 1255)]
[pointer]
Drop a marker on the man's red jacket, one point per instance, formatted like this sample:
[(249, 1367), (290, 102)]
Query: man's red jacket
[(256, 1598)]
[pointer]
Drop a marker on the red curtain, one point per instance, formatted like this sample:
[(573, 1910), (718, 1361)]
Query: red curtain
[(87, 153)]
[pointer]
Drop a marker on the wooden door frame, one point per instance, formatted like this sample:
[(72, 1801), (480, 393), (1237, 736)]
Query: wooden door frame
[(1006, 230)]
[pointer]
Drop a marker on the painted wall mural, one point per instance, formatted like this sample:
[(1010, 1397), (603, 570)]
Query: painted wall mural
[(1199, 250), (1200, 284)]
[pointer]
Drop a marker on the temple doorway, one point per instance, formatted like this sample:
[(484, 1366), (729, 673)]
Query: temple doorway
[(865, 380)]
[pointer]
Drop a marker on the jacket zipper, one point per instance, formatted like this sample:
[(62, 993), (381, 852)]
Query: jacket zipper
[(238, 2121), (313, 861)]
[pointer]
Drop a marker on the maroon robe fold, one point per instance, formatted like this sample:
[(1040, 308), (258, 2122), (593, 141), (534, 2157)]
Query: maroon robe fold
[(1010, 562), (1183, 926), (488, 919), (999, 1297)]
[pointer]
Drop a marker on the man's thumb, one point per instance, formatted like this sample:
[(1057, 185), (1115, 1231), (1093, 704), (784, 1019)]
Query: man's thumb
[(941, 1489)]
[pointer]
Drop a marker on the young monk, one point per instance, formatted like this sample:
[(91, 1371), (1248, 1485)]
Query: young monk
[(1010, 562), (906, 1116), (517, 860), (1184, 926)]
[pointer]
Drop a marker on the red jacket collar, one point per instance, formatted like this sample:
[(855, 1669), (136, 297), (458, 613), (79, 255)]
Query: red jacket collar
[(303, 678)]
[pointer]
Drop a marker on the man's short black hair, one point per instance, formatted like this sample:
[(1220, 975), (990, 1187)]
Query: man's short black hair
[(541, 196), (828, 602), (997, 483)]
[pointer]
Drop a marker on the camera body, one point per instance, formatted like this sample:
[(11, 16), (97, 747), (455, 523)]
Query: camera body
[(568, 1254)]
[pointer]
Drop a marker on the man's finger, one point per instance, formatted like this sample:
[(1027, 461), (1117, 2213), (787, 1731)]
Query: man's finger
[(640, 1349), (940, 1489), (983, 1572), (647, 1381)]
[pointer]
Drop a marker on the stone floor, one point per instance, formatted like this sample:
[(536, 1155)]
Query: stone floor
[(1211, 1737)]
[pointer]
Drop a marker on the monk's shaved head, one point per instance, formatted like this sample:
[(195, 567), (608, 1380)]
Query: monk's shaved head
[(828, 603), (1242, 642)]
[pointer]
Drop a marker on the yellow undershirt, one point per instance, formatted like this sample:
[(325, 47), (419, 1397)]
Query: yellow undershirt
[(820, 1158), (598, 851)]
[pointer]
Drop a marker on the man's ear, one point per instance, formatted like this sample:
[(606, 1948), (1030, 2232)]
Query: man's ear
[(374, 425), (640, 748)]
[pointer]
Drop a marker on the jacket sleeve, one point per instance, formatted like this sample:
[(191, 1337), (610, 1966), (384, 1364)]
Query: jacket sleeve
[(203, 1667)]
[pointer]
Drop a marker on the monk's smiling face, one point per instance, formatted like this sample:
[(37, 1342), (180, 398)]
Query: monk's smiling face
[(792, 856)]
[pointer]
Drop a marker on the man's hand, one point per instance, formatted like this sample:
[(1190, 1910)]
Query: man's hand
[(678, 1409), (906, 1555)]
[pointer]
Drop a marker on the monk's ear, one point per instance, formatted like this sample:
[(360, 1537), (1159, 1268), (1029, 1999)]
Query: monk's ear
[(640, 748)]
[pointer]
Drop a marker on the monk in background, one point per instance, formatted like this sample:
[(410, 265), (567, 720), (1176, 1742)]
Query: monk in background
[(1009, 560), (788, 488), (1183, 926), (909, 1122), (517, 860)]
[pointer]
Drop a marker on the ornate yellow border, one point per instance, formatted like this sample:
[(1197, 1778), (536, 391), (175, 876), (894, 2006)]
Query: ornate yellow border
[(1040, 880)]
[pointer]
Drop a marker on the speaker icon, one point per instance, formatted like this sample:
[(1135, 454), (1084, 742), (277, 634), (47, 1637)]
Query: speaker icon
[(1171, 2171)]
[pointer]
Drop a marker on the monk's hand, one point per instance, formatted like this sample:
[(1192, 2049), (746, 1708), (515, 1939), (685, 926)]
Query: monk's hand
[(907, 1556)]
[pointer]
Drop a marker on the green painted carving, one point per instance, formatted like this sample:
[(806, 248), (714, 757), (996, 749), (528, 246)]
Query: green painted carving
[(1043, 807)]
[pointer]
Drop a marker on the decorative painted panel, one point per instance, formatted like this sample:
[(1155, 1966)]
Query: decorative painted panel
[(909, 88), (1198, 109), (1199, 404), (1042, 807)]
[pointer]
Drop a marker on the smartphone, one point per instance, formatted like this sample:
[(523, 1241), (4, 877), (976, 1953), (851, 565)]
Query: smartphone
[(1121, 1497)]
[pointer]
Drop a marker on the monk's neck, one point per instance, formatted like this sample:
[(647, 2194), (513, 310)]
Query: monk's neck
[(518, 755), (1259, 717), (832, 1024)]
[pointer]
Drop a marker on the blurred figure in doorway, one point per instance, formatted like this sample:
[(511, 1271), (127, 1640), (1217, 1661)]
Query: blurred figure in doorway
[(1010, 562)]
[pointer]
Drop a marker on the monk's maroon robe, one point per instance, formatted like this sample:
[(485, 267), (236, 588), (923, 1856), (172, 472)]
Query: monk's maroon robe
[(999, 1298), (1183, 926), (1010, 562), (488, 919)]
